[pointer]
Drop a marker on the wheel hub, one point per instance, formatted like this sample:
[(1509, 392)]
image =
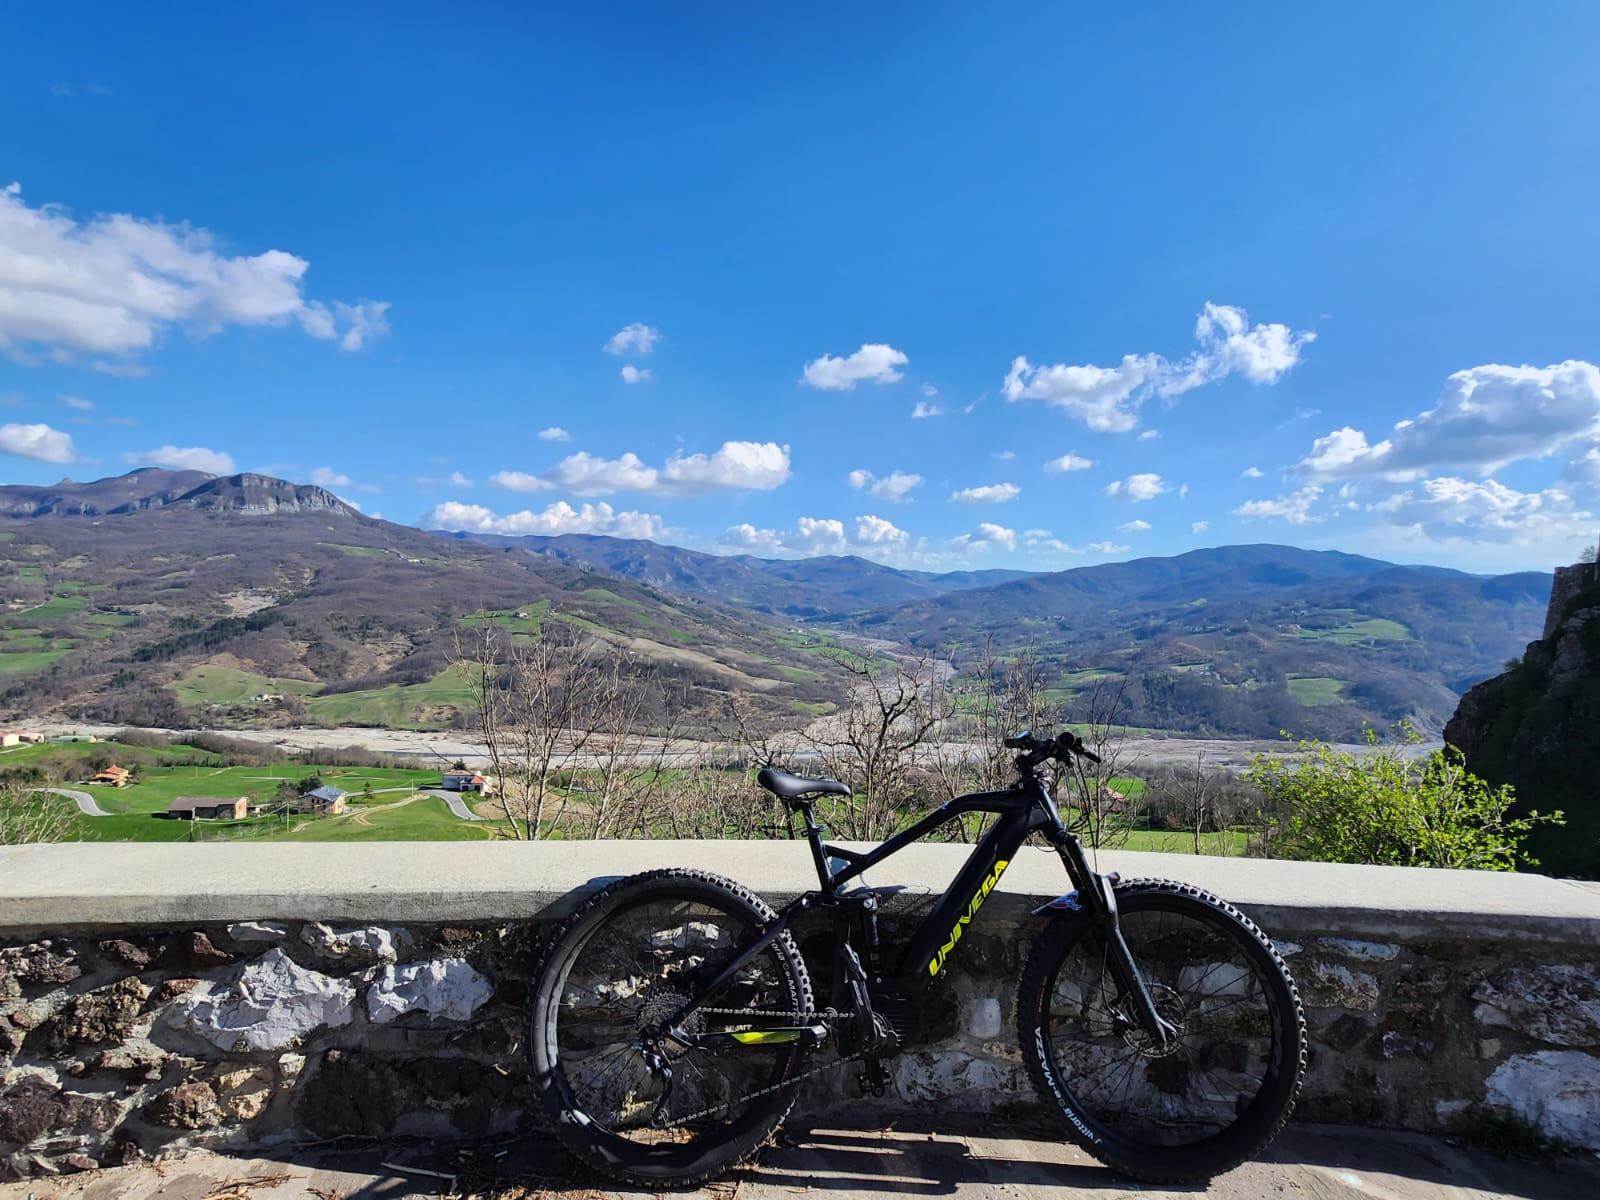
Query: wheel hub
[(1171, 1009)]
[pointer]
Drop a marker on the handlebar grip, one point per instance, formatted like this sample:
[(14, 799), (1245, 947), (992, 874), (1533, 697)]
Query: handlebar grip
[(1022, 741)]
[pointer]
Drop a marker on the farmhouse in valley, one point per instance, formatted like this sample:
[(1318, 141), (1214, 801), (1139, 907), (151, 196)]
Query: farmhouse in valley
[(209, 808), (322, 801), (466, 781), (113, 776), (18, 737)]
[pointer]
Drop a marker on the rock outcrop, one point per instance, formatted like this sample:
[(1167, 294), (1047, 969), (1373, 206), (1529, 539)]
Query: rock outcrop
[(1537, 727)]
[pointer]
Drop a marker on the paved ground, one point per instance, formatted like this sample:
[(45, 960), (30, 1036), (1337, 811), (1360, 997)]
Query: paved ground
[(85, 802), (454, 801), (1310, 1163)]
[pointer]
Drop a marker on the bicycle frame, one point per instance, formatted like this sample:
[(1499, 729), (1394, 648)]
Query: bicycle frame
[(1022, 809)]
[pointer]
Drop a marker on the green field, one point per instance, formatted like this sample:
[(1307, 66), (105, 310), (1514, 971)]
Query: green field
[(212, 684), (29, 661), (1313, 690), (1373, 629), (395, 810), (408, 706)]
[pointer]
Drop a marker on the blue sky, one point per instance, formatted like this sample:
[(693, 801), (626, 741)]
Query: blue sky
[(388, 248)]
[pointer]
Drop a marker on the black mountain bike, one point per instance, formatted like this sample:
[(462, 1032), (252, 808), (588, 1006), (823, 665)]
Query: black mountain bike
[(673, 1018)]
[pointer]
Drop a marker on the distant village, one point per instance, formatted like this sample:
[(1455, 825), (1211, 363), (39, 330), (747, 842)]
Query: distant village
[(322, 800)]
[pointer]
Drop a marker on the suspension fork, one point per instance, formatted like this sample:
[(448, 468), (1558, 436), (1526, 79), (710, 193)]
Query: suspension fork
[(1097, 896)]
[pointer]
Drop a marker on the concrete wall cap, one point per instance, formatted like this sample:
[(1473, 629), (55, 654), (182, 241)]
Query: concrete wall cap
[(106, 885)]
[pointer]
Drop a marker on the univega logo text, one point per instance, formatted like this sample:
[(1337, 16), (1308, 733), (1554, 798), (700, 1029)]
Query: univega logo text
[(936, 964)]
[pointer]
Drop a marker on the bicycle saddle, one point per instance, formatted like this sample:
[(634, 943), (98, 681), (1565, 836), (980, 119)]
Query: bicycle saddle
[(794, 787)]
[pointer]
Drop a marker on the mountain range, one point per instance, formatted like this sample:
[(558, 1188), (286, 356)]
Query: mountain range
[(176, 596)]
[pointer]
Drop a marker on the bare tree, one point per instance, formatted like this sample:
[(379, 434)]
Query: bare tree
[(619, 747), (28, 815), (536, 698), (892, 707), (1193, 794), (1101, 812)]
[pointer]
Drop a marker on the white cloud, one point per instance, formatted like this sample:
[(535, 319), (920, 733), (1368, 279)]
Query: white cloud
[(554, 434), (459, 480), (632, 374), (520, 481), (38, 442), (636, 338), (1294, 508), (1487, 417), (748, 537), (822, 535), (1042, 541), (1134, 527), (1199, 526), (817, 535), (893, 486), (1004, 455), (114, 284), (1107, 399), (875, 362), (1097, 396), (1108, 548), (876, 531), (929, 390), (183, 458), (1149, 435), (329, 478), (1251, 472), (991, 493), (741, 466), (78, 402), (985, 536), (1183, 492), (1145, 486), (923, 410), (1068, 462), (1448, 508), (557, 518)]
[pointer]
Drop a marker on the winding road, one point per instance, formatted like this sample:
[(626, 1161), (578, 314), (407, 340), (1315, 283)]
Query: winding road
[(455, 803), (85, 802)]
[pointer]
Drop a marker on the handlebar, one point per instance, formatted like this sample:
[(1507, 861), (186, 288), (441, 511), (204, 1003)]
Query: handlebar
[(1036, 751)]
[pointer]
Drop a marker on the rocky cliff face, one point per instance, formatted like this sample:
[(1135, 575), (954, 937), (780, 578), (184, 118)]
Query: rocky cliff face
[(150, 487), (1537, 727)]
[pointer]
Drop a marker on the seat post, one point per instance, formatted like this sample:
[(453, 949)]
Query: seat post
[(814, 832)]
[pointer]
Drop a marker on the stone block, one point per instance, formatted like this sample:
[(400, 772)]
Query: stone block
[(106, 1014), (1556, 1003), (244, 1092), (448, 988), (1334, 985), (362, 946), (1358, 951), (272, 1004), (248, 932), (187, 1106), (41, 963), (1557, 1091), (125, 952)]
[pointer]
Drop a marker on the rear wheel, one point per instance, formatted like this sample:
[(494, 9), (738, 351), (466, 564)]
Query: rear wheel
[(1215, 1094), (628, 961)]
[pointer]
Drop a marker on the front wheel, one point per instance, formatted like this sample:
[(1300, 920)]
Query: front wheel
[(1219, 1090)]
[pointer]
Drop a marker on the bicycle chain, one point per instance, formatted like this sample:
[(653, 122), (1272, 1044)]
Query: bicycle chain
[(803, 1018)]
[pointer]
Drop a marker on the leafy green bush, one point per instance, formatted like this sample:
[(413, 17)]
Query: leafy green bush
[(1387, 807)]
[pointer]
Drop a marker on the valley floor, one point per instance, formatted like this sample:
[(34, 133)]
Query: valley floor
[(433, 748)]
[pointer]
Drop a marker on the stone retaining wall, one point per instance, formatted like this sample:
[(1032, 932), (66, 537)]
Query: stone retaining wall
[(269, 1027)]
